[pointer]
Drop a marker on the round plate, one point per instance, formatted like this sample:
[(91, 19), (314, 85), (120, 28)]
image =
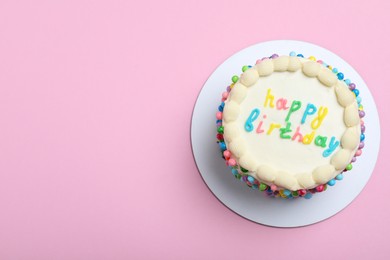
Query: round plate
[(253, 204)]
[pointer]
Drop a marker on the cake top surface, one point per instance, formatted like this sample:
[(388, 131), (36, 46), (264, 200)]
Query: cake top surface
[(291, 122)]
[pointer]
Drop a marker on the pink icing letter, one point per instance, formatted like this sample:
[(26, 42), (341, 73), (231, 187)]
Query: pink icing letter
[(298, 135)]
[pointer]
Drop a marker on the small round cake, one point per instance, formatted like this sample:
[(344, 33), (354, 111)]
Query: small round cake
[(290, 126)]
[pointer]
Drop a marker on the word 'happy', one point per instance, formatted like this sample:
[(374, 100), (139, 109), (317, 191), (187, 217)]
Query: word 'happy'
[(311, 114)]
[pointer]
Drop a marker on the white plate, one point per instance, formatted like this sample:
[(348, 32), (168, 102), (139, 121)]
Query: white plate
[(253, 204)]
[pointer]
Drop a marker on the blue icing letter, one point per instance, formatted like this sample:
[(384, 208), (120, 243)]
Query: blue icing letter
[(252, 117), (310, 110), (332, 146)]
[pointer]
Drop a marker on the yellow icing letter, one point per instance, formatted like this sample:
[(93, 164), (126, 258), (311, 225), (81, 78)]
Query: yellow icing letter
[(308, 138), (322, 112), (272, 127), (269, 98)]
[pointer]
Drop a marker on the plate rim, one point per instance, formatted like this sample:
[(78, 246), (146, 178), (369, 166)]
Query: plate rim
[(291, 43)]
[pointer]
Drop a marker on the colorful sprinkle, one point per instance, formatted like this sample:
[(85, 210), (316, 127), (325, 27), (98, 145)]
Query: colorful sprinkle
[(281, 193), (251, 179), (232, 162), (243, 169), (320, 188), (340, 76), (302, 192), (361, 113), (235, 79), (219, 115), (263, 186), (225, 95), (349, 167)]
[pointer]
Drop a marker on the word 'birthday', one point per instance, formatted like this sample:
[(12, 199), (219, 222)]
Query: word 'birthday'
[(311, 114)]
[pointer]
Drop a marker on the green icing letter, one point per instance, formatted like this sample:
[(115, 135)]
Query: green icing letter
[(285, 130), (295, 105), (321, 141)]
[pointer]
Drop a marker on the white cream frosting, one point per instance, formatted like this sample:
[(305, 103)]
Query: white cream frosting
[(286, 163)]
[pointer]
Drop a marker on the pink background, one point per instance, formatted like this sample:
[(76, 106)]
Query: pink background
[(95, 110)]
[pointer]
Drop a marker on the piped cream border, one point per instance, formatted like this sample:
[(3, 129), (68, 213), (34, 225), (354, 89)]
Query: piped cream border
[(322, 174)]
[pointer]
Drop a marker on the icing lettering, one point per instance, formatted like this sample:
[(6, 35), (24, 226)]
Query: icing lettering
[(322, 112), (310, 110), (259, 130), (281, 103), (320, 141), (310, 115), (252, 117), (269, 98), (308, 138), (272, 127), (295, 105), (298, 135), (285, 130), (331, 147)]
